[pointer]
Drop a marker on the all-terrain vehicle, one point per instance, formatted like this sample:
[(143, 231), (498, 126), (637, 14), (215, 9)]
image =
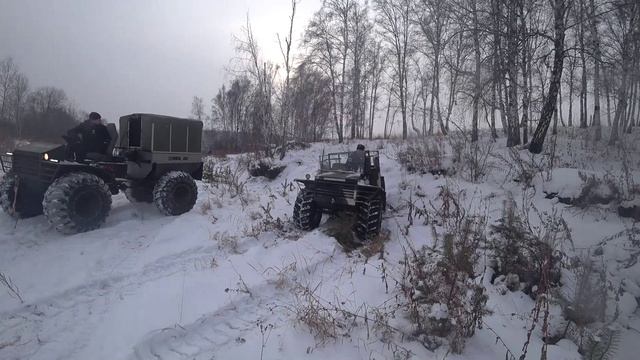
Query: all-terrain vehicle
[(345, 182), (155, 159)]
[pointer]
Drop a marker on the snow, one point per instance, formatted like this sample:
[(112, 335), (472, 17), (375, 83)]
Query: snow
[(566, 182), (220, 282)]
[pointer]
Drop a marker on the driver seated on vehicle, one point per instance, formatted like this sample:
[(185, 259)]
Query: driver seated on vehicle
[(356, 159), (90, 139)]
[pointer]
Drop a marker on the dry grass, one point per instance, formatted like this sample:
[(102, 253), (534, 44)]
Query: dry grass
[(227, 242), (321, 321), (11, 287)]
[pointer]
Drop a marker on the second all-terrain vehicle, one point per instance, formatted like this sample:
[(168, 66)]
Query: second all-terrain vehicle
[(156, 160), (346, 182)]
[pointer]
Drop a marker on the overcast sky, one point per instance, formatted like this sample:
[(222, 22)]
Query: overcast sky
[(124, 56)]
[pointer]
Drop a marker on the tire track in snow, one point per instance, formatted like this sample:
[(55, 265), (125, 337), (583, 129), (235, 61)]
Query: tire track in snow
[(208, 335), (212, 334), (73, 313)]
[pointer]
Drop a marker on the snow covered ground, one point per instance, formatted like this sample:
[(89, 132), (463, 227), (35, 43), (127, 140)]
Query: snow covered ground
[(224, 280)]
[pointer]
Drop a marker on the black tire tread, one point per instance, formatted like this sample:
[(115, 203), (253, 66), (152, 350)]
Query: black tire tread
[(368, 217), (162, 190), (7, 189), (305, 214), (56, 203)]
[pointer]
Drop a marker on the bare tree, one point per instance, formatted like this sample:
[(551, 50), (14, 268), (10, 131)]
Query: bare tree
[(583, 52), (285, 106), (375, 70), (395, 25), (197, 108), (597, 59), (511, 68), (262, 74), (8, 73), (361, 28), (560, 10), (327, 39), (20, 92), (312, 103), (433, 20), (627, 28), (46, 99)]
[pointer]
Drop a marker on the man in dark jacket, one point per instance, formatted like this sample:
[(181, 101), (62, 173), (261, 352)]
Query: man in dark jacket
[(356, 159), (91, 136)]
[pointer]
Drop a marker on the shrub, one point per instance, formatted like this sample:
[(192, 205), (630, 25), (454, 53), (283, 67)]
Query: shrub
[(470, 158), (265, 168), (227, 242), (587, 304), (517, 250), (423, 157), (225, 176), (292, 145), (443, 299), (597, 191)]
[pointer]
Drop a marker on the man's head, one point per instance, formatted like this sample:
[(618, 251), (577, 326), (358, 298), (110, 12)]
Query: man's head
[(95, 117), (360, 147)]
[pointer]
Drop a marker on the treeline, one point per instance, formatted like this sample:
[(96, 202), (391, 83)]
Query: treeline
[(417, 67), (39, 114)]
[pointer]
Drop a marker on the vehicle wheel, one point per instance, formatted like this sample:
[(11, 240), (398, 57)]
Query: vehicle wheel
[(7, 194), (306, 216), (175, 193), (77, 202), (139, 193), (384, 195), (27, 204), (368, 218)]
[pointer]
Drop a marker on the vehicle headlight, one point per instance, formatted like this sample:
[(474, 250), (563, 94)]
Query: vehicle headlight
[(46, 156), (10, 153)]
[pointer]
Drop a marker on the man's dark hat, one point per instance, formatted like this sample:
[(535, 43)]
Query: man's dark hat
[(360, 147), (94, 116)]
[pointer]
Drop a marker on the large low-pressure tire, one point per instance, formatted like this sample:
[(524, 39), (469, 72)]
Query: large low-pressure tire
[(7, 194), (175, 193), (368, 218), (27, 205), (77, 202), (139, 193), (306, 216)]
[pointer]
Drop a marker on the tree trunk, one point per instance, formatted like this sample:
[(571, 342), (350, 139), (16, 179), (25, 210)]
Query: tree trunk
[(560, 106), (477, 85), (570, 120), (513, 133), (554, 130), (627, 45), (497, 66), (560, 8), (607, 89), (433, 97), (596, 71), (634, 117), (372, 105), (386, 119), (424, 107), (583, 60), (501, 102), (628, 119), (493, 107), (525, 75)]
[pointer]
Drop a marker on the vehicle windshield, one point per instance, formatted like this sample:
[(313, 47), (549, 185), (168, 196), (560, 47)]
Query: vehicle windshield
[(344, 161)]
